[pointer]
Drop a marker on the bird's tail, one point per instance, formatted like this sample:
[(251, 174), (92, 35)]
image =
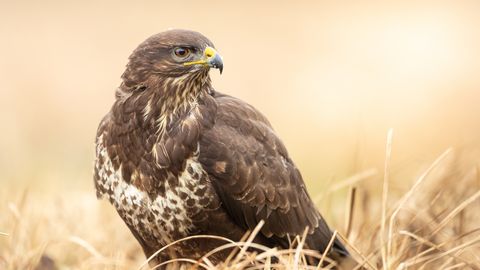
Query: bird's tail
[(346, 263), (342, 257)]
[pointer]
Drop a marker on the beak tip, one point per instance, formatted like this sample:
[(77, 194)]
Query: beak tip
[(216, 62)]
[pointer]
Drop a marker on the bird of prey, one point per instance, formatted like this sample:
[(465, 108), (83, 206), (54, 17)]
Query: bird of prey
[(177, 158)]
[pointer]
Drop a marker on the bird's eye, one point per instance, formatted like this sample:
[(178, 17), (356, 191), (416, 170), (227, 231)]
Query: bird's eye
[(182, 52)]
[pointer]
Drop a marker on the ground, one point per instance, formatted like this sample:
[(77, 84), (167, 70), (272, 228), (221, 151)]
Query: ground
[(429, 223)]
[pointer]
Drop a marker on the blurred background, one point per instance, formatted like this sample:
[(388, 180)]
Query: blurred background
[(332, 77)]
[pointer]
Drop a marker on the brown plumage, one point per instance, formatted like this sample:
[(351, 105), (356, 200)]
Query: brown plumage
[(177, 158)]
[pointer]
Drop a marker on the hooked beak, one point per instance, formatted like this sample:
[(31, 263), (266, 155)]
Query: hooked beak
[(210, 58)]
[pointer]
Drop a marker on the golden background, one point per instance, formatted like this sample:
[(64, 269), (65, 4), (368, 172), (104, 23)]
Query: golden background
[(332, 77)]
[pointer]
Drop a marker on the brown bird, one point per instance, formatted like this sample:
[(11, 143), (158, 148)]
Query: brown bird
[(177, 158)]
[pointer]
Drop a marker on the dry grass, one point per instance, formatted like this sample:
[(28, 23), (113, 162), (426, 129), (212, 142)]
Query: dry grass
[(435, 224)]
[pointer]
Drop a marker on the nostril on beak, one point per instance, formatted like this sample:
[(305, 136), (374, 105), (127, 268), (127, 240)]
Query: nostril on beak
[(209, 52)]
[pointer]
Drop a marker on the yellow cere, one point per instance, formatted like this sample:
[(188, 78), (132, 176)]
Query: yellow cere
[(208, 53)]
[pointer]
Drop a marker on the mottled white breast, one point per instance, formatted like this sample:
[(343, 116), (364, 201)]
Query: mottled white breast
[(154, 218)]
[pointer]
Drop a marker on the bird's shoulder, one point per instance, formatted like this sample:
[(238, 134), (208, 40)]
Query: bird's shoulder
[(232, 110)]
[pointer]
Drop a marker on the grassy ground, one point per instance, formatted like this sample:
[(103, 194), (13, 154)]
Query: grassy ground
[(433, 224)]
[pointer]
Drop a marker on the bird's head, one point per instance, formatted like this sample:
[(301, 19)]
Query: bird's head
[(172, 54)]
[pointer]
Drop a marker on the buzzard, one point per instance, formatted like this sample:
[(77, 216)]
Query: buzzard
[(177, 158)]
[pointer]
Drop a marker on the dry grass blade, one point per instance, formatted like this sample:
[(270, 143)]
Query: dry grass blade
[(450, 260), (184, 260), (350, 209), (446, 263), (458, 265), (455, 211), (355, 179), (409, 195), (208, 262), (325, 252), (456, 250), (299, 249), (268, 263), (145, 263), (87, 246), (249, 259), (383, 241), (236, 249), (14, 210), (436, 246), (365, 260), (249, 241), (420, 257), (417, 259), (237, 244), (4, 234)]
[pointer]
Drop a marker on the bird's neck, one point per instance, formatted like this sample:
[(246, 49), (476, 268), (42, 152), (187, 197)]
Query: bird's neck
[(163, 102)]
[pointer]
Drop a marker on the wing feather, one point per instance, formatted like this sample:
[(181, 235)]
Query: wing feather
[(254, 176)]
